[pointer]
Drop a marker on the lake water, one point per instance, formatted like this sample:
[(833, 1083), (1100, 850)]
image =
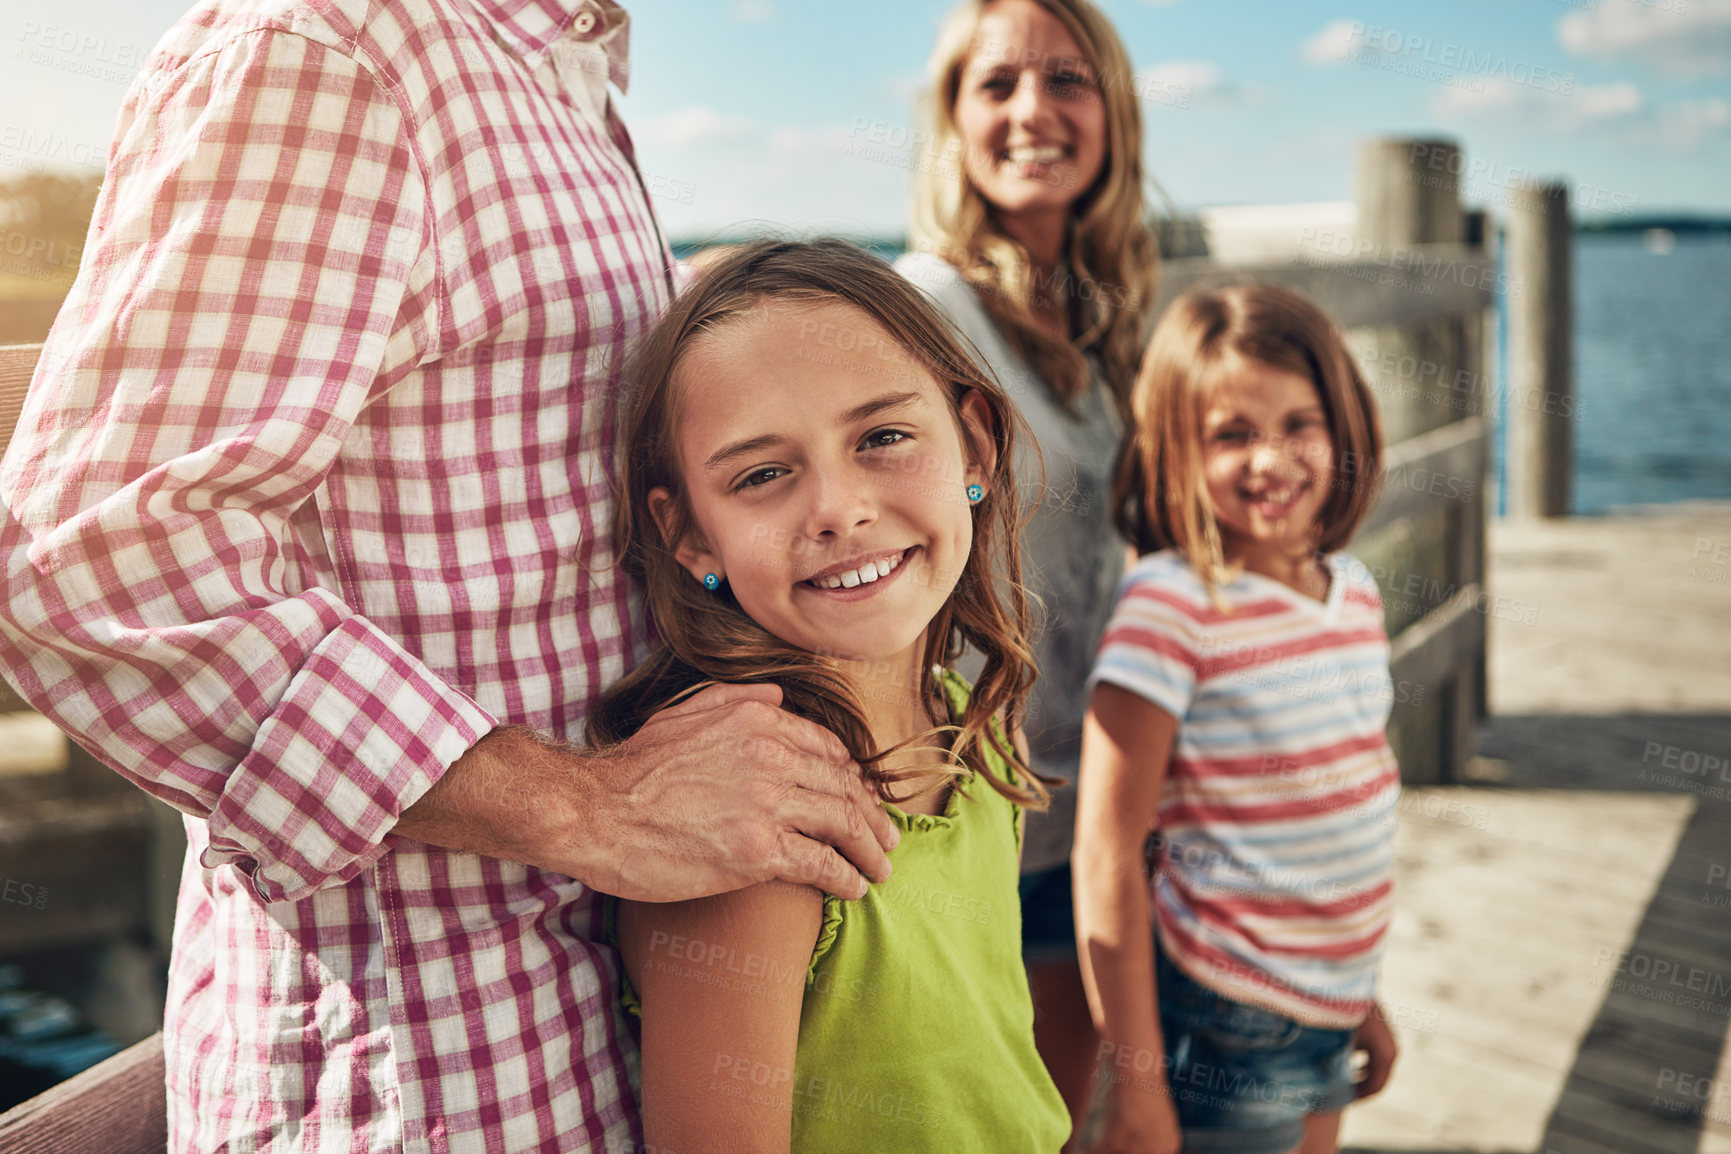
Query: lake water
[(1652, 371)]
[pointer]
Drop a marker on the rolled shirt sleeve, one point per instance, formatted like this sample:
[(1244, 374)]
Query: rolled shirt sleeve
[(260, 269)]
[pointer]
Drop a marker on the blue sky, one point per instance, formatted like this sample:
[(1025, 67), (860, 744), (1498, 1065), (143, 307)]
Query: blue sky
[(792, 113)]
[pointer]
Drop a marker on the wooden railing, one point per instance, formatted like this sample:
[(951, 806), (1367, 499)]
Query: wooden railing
[(116, 1107)]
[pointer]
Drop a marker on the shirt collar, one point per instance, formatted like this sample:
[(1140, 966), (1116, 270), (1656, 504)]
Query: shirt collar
[(532, 27)]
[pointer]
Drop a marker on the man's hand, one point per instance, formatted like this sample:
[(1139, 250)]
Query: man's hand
[(718, 792), (1377, 1041)]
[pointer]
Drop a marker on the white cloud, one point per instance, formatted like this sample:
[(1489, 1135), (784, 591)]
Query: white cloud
[(1339, 41), (751, 11), (1188, 83), (1607, 101), (1496, 96), (693, 124), (1678, 38), (1586, 107), (1594, 108), (1692, 121), (1196, 75)]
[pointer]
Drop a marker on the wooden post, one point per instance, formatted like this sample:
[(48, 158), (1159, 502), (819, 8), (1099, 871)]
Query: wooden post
[(1541, 358), (1408, 195), (1408, 191), (1471, 703)]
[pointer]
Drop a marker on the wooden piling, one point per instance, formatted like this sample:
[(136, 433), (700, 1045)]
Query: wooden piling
[(1407, 192), (1430, 379), (1541, 360)]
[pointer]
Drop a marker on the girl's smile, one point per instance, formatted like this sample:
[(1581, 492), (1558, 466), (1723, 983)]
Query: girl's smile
[(1275, 504), (860, 579), (826, 475), (1268, 461)]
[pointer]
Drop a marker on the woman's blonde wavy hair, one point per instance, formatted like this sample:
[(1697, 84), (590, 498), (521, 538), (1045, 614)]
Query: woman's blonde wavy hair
[(1110, 256), (706, 637)]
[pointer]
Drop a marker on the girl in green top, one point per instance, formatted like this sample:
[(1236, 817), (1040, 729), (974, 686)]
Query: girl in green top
[(816, 494)]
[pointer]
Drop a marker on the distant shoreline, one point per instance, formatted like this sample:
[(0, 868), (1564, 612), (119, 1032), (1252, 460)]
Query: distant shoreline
[(1683, 224)]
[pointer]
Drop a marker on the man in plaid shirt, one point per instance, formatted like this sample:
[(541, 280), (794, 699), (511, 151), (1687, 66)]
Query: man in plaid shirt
[(307, 534)]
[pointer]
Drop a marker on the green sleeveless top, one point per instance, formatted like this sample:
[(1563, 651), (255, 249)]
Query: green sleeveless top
[(917, 1030)]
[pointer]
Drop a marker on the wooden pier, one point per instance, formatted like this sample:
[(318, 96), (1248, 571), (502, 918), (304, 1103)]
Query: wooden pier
[(1560, 967)]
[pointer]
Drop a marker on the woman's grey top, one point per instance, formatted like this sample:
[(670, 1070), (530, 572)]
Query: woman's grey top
[(1072, 556)]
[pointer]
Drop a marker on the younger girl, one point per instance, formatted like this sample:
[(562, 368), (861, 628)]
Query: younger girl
[(1238, 705), (817, 495)]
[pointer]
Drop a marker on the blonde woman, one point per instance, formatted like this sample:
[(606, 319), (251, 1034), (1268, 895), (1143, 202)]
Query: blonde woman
[(1028, 230)]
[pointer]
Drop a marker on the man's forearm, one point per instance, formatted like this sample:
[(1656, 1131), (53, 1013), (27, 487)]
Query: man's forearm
[(721, 791), (516, 795)]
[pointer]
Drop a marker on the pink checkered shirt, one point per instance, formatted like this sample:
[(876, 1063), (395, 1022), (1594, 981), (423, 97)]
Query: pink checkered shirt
[(310, 492)]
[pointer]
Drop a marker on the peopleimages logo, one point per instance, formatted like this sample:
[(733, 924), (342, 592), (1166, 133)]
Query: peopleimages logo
[(24, 147), (1456, 63), (27, 894)]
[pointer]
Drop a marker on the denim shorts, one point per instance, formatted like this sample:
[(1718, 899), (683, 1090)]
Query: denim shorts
[(1244, 1078), (1048, 916)]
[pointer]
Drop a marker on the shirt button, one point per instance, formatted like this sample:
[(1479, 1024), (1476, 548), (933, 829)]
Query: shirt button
[(584, 24)]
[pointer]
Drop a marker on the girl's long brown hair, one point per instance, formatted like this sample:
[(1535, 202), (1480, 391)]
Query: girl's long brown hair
[(706, 637), (1107, 284), (1160, 495)]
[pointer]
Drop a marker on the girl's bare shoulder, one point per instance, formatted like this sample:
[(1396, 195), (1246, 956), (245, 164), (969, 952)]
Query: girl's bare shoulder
[(761, 933)]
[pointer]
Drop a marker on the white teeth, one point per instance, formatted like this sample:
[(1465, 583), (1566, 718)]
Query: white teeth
[(1035, 154), (864, 575)]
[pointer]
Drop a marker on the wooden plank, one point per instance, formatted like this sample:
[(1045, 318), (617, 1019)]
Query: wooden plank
[(1500, 925), (17, 365), (1430, 652), (1504, 901), (119, 1106), (1445, 464), (1602, 753), (1400, 286), (1618, 615)]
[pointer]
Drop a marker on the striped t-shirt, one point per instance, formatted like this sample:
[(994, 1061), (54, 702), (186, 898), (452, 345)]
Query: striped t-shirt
[(1274, 884)]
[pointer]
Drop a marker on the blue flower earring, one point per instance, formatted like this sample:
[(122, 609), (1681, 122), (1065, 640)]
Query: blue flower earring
[(710, 581), (976, 494)]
